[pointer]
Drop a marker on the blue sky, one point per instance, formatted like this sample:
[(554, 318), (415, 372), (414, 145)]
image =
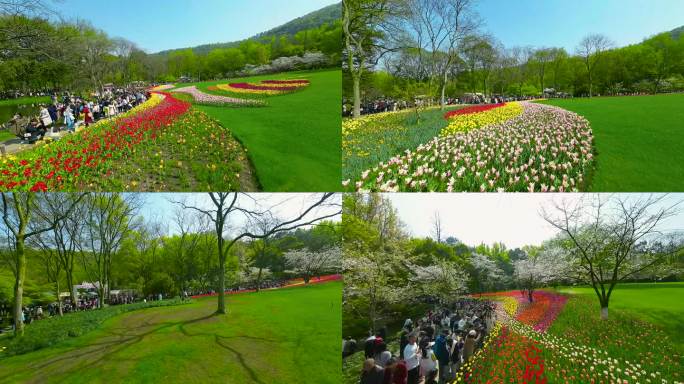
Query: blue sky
[(157, 25), (563, 23)]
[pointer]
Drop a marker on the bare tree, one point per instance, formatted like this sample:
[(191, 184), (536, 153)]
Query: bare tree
[(438, 27), (227, 207), (437, 227), (591, 49), (520, 58), (612, 239), (189, 225), (19, 211), (542, 58)]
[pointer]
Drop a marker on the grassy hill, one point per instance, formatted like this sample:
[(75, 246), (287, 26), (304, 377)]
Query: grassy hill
[(314, 19), (282, 336)]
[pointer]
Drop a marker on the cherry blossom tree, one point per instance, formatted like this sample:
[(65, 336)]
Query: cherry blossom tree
[(308, 264)]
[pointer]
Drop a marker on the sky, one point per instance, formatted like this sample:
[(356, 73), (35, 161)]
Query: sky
[(156, 25), (475, 218), (160, 206), (563, 23)]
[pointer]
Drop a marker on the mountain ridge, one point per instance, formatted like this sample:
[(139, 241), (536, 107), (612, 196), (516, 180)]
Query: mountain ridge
[(313, 19)]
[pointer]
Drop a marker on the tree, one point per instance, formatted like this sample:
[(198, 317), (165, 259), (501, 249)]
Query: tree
[(485, 272), (542, 58), (19, 211), (610, 239), (109, 220), (362, 22), (439, 27), (444, 280), (308, 264), (226, 208), (539, 267), (437, 227), (591, 49)]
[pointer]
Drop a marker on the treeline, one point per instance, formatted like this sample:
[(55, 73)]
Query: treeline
[(405, 48), (39, 54), (51, 242)]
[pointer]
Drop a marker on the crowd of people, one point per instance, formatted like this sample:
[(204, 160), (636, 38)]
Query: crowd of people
[(69, 112), (431, 350), (385, 104), (264, 284)]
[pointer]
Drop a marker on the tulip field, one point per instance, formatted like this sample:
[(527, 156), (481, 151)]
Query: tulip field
[(522, 146), (266, 337), (559, 338), (289, 124)]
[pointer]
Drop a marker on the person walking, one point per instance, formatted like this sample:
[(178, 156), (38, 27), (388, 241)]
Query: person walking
[(412, 359), (372, 373), (469, 344)]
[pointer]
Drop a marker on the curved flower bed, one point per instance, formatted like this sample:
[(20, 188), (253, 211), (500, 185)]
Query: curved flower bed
[(205, 98), (163, 87), (544, 149), (89, 152), (472, 109), (466, 122), (266, 87)]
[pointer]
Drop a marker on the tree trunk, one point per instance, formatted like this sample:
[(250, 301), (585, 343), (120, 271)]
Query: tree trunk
[(222, 286), (259, 280), (59, 299), (590, 86), (604, 313), (357, 95), (19, 284), (529, 295), (70, 284), (444, 84)]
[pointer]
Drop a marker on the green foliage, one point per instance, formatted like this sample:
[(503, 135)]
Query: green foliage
[(51, 331)]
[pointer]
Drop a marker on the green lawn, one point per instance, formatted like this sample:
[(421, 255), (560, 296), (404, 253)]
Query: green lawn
[(294, 142), (282, 336), (26, 100), (638, 141)]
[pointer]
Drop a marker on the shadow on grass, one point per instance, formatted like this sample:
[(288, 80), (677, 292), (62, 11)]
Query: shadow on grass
[(222, 341)]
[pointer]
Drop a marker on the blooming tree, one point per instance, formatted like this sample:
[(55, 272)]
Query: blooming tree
[(308, 263), (444, 280), (611, 239), (541, 267), (485, 272)]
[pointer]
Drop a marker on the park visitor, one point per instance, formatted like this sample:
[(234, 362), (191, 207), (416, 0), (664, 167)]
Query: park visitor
[(412, 358), (372, 373)]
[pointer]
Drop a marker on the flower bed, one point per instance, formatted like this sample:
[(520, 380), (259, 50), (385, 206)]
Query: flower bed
[(161, 145), (163, 87), (89, 152), (266, 87), (490, 116), (472, 109), (543, 149), (205, 98)]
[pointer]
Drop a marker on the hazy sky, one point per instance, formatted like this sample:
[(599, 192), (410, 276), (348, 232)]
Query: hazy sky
[(474, 218), (158, 206), (563, 23), (157, 25)]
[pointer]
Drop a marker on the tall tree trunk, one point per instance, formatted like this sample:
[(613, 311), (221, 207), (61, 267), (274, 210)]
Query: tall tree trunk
[(70, 284), (59, 298), (19, 283), (222, 287), (444, 84), (259, 280), (357, 95), (590, 86)]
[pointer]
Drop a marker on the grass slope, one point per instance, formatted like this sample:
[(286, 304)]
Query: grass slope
[(281, 336), (638, 140), (657, 303), (294, 142)]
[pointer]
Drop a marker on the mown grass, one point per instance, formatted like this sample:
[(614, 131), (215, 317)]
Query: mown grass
[(638, 141), (51, 331), (282, 336), (294, 141), (380, 139)]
